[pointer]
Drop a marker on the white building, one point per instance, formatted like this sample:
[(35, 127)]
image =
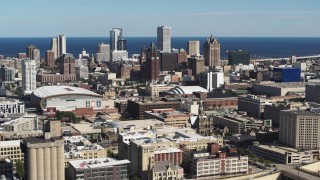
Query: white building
[(211, 80), (164, 38), (11, 150), (25, 123), (55, 47), (65, 98), (115, 36), (301, 65), (119, 55), (29, 72), (84, 54), (202, 164)]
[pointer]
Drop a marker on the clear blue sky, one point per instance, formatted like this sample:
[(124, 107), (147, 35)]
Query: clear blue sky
[(89, 18)]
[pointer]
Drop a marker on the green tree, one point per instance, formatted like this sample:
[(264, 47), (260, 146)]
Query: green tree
[(19, 168)]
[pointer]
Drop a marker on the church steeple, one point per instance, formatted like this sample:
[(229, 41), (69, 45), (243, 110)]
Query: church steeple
[(200, 111)]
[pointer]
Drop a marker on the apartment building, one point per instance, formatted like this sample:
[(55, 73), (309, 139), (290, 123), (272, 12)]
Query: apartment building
[(11, 150), (300, 128)]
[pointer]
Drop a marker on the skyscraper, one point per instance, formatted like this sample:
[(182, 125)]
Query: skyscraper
[(50, 58), (212, 52), (67, 64), (36, 54), (29, 72), (30, 49), (59, 45), (103, 53), (152, 63), (194, 48), (55, 47), (115, 36), (62, 44), (164, 38)]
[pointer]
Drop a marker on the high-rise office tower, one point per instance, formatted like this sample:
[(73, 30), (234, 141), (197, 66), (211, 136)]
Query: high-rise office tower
[(152, 63), (122, 45), (36, 54), (50, 58), (59, 45), (164, 38), (55, 47), (62, 44), (30, 49), (115, 36), (7, 74), (29, 71), (212, 52), (194, 48), (67, 64), (103, 53)]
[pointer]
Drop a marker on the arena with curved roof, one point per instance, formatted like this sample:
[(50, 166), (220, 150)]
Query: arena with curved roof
[(65, 98), (186, 90)]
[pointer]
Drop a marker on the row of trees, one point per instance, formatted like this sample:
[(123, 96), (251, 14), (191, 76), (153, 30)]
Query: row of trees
[(254, 157), (70, 115)]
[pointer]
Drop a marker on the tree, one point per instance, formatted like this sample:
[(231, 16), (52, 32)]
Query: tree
[(19, 168)]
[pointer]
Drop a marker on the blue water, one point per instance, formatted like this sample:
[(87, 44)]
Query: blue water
[(258, 47)]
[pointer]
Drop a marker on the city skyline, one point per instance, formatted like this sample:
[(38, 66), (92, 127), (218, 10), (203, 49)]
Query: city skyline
[(231, 18)]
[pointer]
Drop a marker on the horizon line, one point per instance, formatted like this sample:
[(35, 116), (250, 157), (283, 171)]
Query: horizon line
[(171, 37)]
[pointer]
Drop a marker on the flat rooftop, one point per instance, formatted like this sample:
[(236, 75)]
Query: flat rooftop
[(278, 149), (283, 85), (10, 143), (96, 163), (86, 128)]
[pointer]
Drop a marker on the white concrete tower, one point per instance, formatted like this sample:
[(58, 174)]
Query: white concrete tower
[(164, 38)]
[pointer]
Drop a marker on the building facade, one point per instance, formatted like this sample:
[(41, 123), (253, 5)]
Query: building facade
[(212, 52), (115, 36), (164, 38), (98, 168), (300, 129), (193, 48), (43, 158), (29, 71)]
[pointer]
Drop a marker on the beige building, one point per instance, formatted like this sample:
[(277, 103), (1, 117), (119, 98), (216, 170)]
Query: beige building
[(194, 48), (44, 158), (300, 129), (253, 105), (143, 148), (212, 52), (11, 150), (279, 89), (22, 124), (78, 147), (155, 89)]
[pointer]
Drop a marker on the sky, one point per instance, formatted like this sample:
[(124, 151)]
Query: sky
[(139, 18)]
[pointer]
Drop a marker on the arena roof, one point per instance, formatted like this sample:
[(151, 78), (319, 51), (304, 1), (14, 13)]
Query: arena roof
[(49, 91), (186, 90)]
